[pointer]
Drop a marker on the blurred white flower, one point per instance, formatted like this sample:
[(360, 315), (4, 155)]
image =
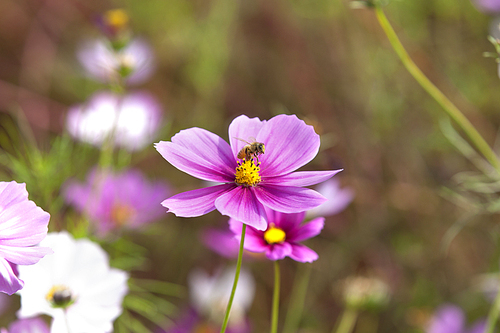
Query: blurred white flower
[(338, 199), (210, 294), (132, 119), (75, 286), (134, 62)]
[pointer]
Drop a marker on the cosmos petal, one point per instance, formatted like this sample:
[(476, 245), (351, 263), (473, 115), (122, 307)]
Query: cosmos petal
[(285, 221), (301, 178), (309, 230), (9, 282), (254, 240), (196, 202), (302, 253), (290, 144), (12, 193), (201, 154), (222, 242), (23, 255), (279, 251), (241, 204), (243, 128), (449, 318), (288, 199)]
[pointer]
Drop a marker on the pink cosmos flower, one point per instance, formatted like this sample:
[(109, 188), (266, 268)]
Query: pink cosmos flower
[(451, 319), (132, 119), (134, 62), (247, 186), (281, 239), (22, 225), (117, 200)]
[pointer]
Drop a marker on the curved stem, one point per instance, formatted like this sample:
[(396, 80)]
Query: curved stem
[(236, 277), (276, 298), (493, 315), (347, 321), (452, 111)]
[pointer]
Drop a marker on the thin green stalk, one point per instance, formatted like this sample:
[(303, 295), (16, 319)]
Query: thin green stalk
[(276, 298), (493, 315), (452, 111), (236, 277), (347, 321), (297, 300)]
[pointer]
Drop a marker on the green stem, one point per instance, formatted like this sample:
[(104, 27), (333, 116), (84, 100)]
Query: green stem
[(236, 277), (493, 315), (347, 321), (297, 300), (432, 90), (276, 298)]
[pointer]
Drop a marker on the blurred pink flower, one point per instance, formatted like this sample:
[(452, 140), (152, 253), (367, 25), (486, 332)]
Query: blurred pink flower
[(75, 286), (117, 200), (22, 226), (132, 120), (451, 319), (247, 186), (337, 199), (282, 237), (28, 325), (134, 62), (487, 6)]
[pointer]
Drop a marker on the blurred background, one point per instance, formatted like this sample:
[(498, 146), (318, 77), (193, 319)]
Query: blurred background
[(331, 66)]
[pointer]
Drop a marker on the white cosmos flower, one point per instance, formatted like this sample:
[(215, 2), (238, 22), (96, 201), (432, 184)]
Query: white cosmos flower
[(210, 294), (75, 286), (134, 61), (132, 120)]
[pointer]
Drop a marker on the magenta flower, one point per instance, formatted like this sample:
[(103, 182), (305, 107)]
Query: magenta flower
[(281, 239), (113, 201), (451, 319), (22, 225), (247, 186)]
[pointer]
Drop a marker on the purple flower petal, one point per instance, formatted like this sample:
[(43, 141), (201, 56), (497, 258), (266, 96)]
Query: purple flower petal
[(222, 242), (29, 325), (242, 205), (290, 144), (448, 319), (302, 253), (338, 199), (196, 202), (288, 199), (23, 255), (285, 221), (301, 178), (243, 128), (201, 154), (12, 193), (279, 251), (254, 241), (23, 224), (309, 230), (9, 282)]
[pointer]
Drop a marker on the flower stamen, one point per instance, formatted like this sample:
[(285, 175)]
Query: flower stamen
[(274, 235), (60, 296), (247, 173)]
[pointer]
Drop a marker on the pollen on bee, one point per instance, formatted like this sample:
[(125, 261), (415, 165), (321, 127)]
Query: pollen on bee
[(247, 173)]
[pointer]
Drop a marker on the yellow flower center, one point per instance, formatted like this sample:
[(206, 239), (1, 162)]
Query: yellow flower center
[(121, 214), (247, 173), (59, 296), (274, 235), (116, 18)]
